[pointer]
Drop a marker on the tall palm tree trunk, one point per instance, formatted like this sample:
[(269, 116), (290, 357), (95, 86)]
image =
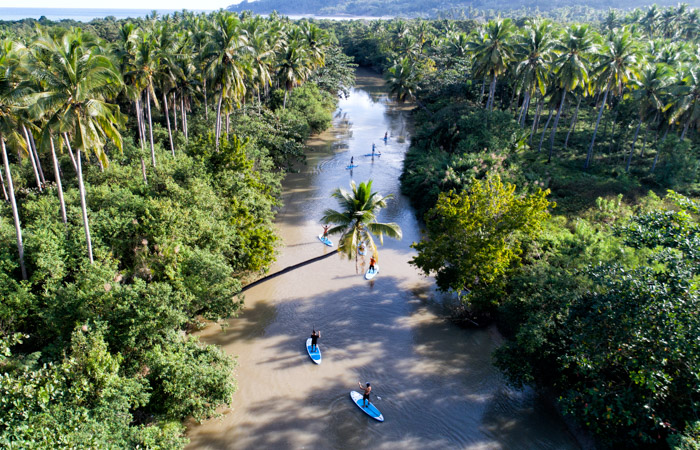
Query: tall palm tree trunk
[(492, 93), (523, 112), (685, 130), (218, 118), (634, 142), (31, 158), (175, 111), (83, 205), (167, 120), (554, 127), (206, 103), (573, 123), (137, 107), (4, 189), (59, 187), (70, 152), (595, 130), (183, 113), (150, 126), (658, 150), (36, 155), (536, 121), (549, 118), (15, 213)]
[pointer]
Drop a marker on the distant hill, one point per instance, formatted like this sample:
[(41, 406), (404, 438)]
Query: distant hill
[(428, 8)]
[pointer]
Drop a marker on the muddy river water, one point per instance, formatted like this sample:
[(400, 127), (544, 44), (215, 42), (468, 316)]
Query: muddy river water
[(433, 381)]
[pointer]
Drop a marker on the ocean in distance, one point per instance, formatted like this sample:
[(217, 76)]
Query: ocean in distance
[(79, 14), (88, 14)]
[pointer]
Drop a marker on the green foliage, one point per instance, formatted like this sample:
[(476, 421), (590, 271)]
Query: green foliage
[(188, 379), (615, 341), (474, 237), (454, 146), (312, 105)]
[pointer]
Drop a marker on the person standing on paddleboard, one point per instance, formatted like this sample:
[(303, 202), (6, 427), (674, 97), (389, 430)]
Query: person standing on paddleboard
[(365, 393), (352, 160), (325, 230), (386, 135), (374, 146), (314, 339), (371, 263)]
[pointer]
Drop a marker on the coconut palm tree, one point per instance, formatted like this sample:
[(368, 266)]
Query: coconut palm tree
[(225, 54), (493, 52), (11, 100), (572, 67), (76, 84), (686, 104), (145, 70), (650, 96), (293, 67), (356, 222), (534, 50), (402, 79), (618, 65)]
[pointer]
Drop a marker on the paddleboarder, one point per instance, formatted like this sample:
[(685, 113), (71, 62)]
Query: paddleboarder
[(371, 263), (352, 161), (374, 146), (314, 339), (386, 135), (365, 394), (325, 230)]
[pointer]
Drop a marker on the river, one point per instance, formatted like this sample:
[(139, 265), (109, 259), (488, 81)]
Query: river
[(433, 381)]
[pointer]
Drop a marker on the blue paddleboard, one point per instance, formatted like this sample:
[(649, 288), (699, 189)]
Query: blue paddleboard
[(351, 166), (370, 410), (371, 273), (325, 240), (373, 154), (315, 354)]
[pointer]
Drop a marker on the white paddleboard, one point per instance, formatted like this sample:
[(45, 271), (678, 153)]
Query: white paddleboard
[(325, 240), (315, 354), (370, 410), (371, 273)]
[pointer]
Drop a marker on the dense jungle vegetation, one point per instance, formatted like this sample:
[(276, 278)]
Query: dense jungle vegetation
[(556, 169), (141, 170)]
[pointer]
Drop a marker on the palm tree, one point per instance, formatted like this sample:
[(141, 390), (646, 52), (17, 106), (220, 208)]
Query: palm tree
[(357, 222), (534, 49), (686, 105), (226, 63), (618, 65), (650, 94), (262, 53), (76, 84), (493, 51), (10, 102), (146, 67), (572, 67), (402, 79), (294, 66)]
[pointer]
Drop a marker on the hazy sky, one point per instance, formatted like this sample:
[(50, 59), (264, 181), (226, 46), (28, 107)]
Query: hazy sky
[(121, 4)]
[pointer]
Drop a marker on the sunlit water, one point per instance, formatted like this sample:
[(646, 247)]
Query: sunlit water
[(437, 385)]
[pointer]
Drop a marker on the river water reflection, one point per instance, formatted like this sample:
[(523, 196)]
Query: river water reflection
[(437, 385)]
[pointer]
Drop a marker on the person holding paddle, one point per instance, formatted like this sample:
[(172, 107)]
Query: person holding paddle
[(372, 261), (365, 394), (314, 339)]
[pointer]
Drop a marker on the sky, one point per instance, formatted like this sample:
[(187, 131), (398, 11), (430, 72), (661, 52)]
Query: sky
[(121, 4)]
